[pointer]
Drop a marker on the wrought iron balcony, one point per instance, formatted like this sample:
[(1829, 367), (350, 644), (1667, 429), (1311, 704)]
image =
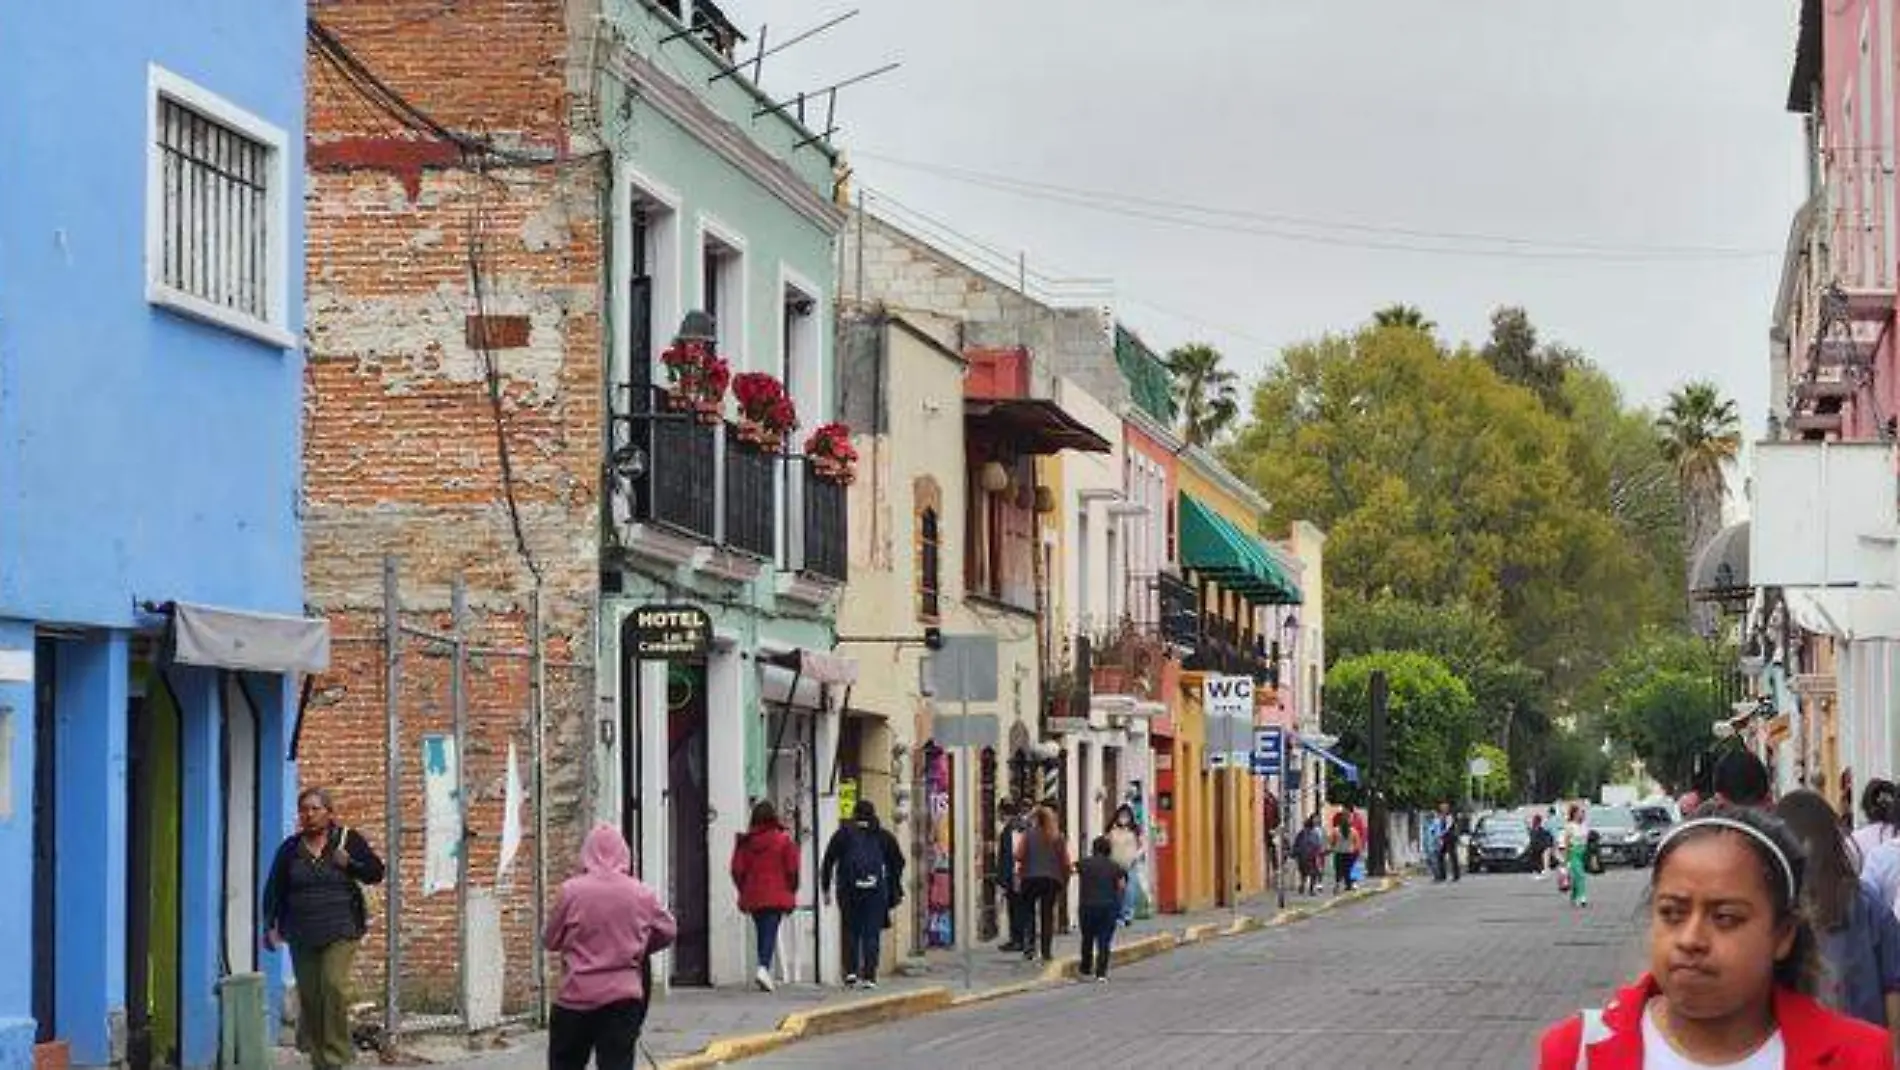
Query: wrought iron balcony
[(664, 465), (751, 496), (824, 539)]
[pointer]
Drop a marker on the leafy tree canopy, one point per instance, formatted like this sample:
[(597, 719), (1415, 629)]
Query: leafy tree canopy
[(1431, 723)]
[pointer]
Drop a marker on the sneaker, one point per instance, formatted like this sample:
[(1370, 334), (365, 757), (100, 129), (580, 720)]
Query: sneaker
[(764, 978), (869, 986), (851, 980), (1100, 979)]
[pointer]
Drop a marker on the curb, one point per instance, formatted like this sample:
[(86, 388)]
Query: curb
[(859, 1014)]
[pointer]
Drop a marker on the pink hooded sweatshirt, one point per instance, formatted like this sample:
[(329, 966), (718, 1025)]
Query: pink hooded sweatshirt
[(604, 922)]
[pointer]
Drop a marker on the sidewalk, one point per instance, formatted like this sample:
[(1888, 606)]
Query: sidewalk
[(691, 1028)]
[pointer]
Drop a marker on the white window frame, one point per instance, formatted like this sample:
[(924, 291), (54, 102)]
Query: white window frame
[(663, 259), (732, 324), (273, 329), (791, 502)]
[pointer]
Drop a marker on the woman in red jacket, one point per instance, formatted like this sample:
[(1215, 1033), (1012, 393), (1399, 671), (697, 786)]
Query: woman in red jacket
[(1732, 966), (765, 869)]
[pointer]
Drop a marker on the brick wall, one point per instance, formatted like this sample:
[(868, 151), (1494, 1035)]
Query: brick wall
[(401, 443)]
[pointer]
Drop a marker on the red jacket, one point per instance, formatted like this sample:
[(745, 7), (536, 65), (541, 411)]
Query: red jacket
[(765, 869), (1815, 1036)]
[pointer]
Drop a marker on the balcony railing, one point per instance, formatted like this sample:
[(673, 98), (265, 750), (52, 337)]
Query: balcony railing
[(824, 536), (751, 495), (672, 460)]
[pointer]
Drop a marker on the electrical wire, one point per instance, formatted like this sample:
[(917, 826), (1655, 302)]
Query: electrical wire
[(1274, 225)]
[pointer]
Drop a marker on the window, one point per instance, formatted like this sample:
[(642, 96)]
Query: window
[(929, 565), (647, 270), (722, 293), (215, 211)]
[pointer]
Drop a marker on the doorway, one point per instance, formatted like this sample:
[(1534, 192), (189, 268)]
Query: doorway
[(154, 799), (689, 809), (45, 839)]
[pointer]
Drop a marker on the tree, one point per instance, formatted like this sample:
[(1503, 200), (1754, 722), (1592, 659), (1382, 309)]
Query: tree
[(1207, 392), (1494, 786), (1472, 644), (1431, 723), (1660, 699), (1406, 316), (1701, 434), (1624, 471), (1514, 353)]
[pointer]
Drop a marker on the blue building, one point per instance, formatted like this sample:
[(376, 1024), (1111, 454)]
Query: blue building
[(152, 637)]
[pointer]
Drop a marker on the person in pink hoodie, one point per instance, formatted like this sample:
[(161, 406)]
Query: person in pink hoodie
[(604, 924)]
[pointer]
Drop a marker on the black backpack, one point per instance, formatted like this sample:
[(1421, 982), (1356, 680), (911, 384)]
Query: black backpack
[(861, 862)]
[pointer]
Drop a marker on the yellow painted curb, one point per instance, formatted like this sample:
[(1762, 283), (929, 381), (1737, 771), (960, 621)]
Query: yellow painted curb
[(1133, 951), (860, 1013), (1194, 934)]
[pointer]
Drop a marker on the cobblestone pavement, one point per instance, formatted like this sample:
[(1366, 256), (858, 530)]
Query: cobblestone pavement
[(1455, 976)]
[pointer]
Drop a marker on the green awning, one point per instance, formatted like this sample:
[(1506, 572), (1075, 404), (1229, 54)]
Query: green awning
[(1216, 547)]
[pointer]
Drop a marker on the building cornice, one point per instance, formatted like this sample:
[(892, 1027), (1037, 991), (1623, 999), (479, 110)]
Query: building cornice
[(685, 109)]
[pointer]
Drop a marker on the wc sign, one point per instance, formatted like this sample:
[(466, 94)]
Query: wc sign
[(1227, 702)]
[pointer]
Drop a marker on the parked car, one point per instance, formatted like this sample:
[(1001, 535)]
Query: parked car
[(1619, 838), (1500, 842), (1655, 819)]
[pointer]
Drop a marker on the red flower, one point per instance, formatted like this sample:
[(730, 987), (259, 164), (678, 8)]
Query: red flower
[(832, 441)]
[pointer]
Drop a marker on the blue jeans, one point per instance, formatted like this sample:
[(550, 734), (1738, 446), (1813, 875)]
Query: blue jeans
[(1098, 936), (765, 924), (1129, 894)]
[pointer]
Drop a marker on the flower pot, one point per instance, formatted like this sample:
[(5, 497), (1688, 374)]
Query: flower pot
[(709, 411), (678, 400)]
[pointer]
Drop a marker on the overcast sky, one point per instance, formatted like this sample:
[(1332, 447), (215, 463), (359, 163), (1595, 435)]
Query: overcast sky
[(1592, 135)]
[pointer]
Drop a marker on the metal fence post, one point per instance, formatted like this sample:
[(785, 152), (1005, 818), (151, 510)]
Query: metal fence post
[(537, 720), (392, 800), (458, 703)]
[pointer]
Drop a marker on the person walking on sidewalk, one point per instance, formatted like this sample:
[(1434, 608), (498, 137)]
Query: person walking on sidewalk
[(1102, 882), (604, 924), (1043, 865), (1447, 844), (1309, 847), (765, 870), (313, 901), (1014, 826), (857, 868), (1576, 846), (1345, 845), (1860, 937), (1125, 847)]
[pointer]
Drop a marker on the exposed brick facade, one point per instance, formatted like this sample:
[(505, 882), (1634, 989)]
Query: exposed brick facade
[(401, 443)]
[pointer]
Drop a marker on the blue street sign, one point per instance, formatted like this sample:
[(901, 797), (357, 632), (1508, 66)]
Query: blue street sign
[(1269, 751)]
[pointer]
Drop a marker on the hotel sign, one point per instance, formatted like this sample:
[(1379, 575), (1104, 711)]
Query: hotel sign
[(667, 633)]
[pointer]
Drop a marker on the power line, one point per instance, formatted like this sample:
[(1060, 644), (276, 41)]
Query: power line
[(1273, 225)]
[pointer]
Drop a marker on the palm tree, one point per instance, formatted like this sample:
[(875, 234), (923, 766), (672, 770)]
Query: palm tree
[(1207, 392), (1397, 315), (1700, 432)]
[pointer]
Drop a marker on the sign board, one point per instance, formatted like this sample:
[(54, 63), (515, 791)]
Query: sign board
[(1823, 515), (964, 669), (1227, 702), (667, 633), (1269, 751), (972, 730), (1481, 767), (1063, 726)]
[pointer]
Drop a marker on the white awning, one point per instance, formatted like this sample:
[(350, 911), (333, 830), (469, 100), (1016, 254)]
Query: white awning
[(1846, 612), (810, 670), (249, 642)]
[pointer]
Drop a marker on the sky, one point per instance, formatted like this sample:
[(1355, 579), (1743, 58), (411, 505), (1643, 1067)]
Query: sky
[(1634, 157)]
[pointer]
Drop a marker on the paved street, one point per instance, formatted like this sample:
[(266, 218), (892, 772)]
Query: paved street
[(1431, 976)]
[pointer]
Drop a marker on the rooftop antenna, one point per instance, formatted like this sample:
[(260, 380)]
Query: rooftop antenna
[(831, 127), (779, 106), (757, 62)]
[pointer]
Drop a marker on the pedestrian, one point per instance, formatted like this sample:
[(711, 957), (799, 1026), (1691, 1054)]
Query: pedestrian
[(765, 870), (1014, 825), (857, 870), (1877, 802), (1310, 848), (1448, 843), (1270, 826), (1859, 935), (1576, 850), (1540, 847), (1126, 848), (1345, 845), (1043, 866), (604, 924), (1732, 960), (1102, 880), (1429, 843), (1740, 779), (1553, 829), (313, 902)]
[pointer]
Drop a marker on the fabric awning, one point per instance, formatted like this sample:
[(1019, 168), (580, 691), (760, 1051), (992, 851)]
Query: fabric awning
[(1720, 572), (797, 678), (1032, 425), (1346, 767), (1215, 546), (248, 642)]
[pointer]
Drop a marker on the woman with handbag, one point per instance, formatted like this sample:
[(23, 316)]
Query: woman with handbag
[(313, 902)]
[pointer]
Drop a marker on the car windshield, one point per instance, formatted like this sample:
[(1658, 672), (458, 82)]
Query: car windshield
[(1504, 829), (1611, 817), (1652, 817)]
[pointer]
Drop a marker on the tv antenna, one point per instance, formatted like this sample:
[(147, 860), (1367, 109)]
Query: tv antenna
[(757, 62)]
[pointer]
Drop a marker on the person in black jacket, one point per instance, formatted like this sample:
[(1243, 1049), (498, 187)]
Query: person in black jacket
[(863, 866), (313, 902), (1016, 906)]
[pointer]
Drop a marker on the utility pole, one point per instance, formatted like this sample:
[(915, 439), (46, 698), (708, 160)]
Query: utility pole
[(1375, 778)]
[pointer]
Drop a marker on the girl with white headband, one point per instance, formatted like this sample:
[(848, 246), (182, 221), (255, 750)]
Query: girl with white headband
[(1732, 966)]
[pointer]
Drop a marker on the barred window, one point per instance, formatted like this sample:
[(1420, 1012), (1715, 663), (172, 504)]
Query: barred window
[(216, 211)]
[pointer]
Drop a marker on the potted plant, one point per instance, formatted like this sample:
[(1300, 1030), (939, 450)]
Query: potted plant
[(832, 456), (766, 412), (699, 379)]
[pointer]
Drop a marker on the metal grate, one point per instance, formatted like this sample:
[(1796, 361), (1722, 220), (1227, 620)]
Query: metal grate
[(216, 232)]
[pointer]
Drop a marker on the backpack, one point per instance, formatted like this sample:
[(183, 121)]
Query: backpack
[(861, 863)]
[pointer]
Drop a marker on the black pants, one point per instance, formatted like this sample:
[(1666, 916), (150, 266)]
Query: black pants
[(1098, 935), (863, 929), (1448, 856), (606, 1034), (1018, 906), (1342, 870), (1041, 893)]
